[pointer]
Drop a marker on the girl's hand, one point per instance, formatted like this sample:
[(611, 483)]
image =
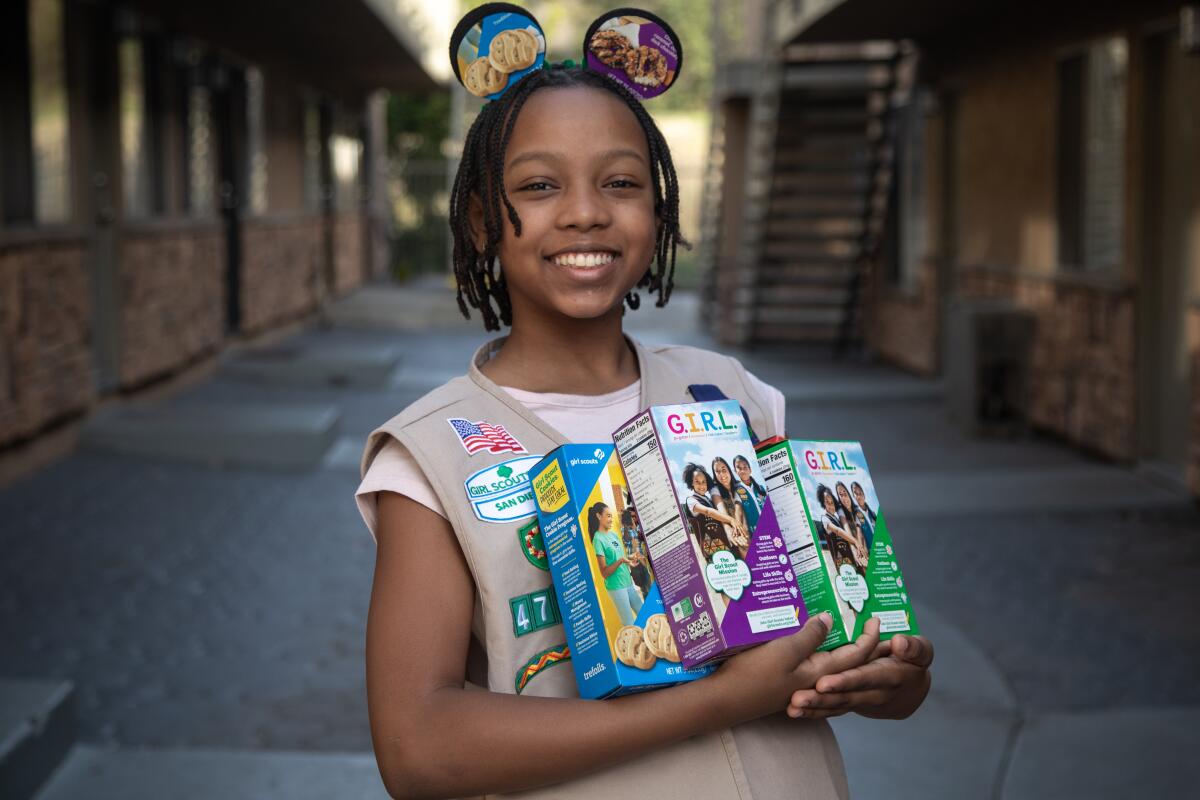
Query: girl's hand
[(759, 681), (892, 686)]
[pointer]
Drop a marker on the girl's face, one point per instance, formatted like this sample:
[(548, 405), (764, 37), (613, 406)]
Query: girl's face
[(843, 495), (721, 473), (743, 471), (859, 495), (829, 504), (699, 482), (577, 170), (606, 519)]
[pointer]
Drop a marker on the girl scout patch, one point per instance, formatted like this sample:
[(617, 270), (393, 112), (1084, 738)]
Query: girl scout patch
[(529, 536), (502, 492)]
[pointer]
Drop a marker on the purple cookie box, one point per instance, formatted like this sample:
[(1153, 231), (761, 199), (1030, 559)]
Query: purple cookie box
[(680, 569)]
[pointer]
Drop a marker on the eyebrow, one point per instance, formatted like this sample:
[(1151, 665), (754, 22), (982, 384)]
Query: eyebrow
[(545, 155)]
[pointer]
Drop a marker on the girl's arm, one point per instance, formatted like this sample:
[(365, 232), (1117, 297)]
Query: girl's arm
[(719, 516), (607, 569), (840, 533), (434, 738)]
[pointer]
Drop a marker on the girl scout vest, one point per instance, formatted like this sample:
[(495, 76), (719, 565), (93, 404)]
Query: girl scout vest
[(518, 643)]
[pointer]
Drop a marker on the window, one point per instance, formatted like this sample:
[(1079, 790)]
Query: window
[(347, 154), (255, 144), (201, 163), (312, 155), (135, 169), (908, 184), (1091, 157), (48, 106)]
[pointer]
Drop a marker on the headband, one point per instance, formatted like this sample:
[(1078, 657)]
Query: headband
[(497, 44)]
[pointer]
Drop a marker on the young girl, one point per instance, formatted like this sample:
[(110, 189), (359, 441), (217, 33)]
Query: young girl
[(724, 493), (750, 490), (565, 202), (710, 524), (614, 563)]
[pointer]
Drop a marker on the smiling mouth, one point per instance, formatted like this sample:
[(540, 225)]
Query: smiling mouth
[(583, 259)]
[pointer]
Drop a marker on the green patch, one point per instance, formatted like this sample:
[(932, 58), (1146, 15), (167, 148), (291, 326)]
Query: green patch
[(529, 536), (559, 654), (534, 611)]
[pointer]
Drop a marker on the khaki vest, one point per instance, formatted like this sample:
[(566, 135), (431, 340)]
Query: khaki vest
[(774, 757)]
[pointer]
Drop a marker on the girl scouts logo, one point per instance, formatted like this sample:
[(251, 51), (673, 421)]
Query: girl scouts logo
[(502, 492)]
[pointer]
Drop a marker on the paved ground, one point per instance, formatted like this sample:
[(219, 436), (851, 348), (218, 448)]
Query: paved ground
[(203, 606)]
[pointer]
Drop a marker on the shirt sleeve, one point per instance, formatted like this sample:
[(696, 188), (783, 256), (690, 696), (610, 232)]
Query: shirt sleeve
[(776, 399), (394, 470)]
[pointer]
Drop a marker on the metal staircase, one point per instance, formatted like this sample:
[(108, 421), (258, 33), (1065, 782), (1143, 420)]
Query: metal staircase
[(815, 226)]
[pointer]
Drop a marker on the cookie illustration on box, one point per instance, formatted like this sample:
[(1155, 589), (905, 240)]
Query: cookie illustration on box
[(635, 48), (494, 46)]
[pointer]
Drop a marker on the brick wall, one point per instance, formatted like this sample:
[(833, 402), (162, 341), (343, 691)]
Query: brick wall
[(1083, 369), (45, 335), (172, 299), (903, 326), (281, 262), (349, 260)]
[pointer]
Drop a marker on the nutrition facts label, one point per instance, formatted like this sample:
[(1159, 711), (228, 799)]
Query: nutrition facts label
[(649, 483), (784, 490)]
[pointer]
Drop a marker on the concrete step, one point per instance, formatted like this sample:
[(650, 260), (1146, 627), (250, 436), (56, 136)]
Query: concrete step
[(368, 366), (218, 433), (104, 774), (37, 728)]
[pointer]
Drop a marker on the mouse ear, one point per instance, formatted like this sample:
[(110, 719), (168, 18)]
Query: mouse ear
[(634, 48), (494, 46)]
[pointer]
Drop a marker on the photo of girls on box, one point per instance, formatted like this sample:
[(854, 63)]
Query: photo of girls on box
[(724, 504)]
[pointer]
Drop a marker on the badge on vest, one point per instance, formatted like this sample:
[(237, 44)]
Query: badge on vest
[(529, 536), (477, 436), (502, 492)]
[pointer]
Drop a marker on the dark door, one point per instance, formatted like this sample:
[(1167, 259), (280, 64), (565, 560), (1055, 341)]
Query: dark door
[(229, 111)]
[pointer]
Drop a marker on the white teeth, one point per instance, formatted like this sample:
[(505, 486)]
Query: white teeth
[(583, 259)]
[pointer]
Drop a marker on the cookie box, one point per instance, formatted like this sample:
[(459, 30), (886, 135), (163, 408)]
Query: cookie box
[(613, 613), (838, 543), (716, 548)]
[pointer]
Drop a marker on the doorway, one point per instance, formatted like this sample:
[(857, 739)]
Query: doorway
[(1171, 253)]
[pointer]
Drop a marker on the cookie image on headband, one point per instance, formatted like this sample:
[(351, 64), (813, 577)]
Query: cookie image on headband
[(635, 48), (494, 46)]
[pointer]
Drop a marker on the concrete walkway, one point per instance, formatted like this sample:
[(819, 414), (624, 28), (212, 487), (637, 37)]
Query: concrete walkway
[(208, 601)]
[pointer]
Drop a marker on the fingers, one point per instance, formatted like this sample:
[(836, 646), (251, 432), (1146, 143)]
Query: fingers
[(814, 705), (913, 649), (848, 656), (886, 673)]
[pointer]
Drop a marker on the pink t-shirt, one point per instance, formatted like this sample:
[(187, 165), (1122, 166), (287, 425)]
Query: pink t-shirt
[(581, 418)]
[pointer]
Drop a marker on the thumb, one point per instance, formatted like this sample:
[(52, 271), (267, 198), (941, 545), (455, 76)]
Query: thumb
[(809, 638)]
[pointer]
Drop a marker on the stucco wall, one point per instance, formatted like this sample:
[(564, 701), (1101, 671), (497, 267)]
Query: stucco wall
[(45, 335)]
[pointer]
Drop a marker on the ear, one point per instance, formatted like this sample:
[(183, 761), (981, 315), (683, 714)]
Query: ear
[(494, 46), (475, 223), (636, 49)]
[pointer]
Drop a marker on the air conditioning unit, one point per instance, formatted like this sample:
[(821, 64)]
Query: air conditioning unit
[(988, 350)]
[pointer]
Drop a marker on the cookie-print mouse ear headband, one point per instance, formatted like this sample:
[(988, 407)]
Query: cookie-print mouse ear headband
[(495, 45), (635, 48)]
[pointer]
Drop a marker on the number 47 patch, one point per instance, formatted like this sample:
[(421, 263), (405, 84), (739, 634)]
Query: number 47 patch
[(534, 611)]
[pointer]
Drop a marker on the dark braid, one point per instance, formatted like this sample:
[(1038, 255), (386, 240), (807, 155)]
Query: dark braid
[(481, 175)]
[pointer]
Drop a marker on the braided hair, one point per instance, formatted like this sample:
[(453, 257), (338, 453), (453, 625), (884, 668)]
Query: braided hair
[(481, 175)]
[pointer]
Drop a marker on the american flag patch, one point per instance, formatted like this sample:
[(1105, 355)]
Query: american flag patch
[(476, 436)]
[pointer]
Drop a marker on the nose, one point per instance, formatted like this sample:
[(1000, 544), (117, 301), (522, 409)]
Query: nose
[(583, 208)]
